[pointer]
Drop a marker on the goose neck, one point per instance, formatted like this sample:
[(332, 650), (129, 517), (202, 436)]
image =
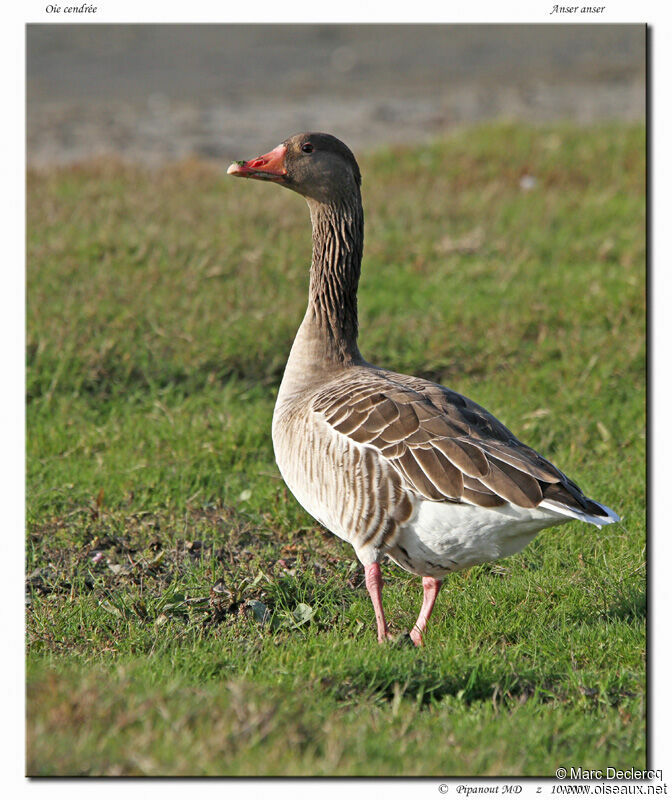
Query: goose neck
[(338, 239)]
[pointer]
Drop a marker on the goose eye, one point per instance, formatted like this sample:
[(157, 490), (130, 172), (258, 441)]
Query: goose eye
[(307, 147)]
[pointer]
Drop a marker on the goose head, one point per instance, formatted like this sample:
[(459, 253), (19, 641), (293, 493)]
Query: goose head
[(316, 165)]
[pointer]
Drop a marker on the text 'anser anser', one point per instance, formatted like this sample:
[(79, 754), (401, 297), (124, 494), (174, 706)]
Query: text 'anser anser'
[(395, 465)]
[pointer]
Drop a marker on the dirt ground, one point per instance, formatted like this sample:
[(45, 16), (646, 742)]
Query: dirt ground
[(153, 93)]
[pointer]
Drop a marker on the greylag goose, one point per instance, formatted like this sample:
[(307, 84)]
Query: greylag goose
[(397, 466)]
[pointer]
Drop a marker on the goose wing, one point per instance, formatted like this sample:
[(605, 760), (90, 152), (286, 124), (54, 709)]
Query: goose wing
[(444, 446)]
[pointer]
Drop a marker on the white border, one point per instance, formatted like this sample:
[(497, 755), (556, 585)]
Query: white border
[(12, 318), (208, 11)]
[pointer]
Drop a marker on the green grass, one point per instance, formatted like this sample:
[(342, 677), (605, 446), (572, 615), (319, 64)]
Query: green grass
[(161, 308)]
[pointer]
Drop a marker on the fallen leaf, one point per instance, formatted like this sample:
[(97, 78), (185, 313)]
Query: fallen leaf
[(260, 611), (302, 613), (119, 569)]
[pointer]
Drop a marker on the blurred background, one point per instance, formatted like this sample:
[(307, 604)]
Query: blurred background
[(155, 93)]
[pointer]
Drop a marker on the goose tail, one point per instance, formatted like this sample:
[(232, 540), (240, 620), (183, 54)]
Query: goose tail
[(607, 516)]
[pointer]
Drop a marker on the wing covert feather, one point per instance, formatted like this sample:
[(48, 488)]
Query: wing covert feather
[(444, 446)]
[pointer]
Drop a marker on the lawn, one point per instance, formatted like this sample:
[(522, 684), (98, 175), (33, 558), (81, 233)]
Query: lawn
[(184, 615)]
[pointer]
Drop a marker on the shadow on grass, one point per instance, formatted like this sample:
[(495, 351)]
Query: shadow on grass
[(630, 607), (471, 684)]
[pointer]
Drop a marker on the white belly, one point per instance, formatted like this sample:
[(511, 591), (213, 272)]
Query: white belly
[(446, 537)]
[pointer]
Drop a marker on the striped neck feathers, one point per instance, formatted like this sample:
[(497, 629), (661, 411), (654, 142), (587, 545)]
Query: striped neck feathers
[(338, 241)]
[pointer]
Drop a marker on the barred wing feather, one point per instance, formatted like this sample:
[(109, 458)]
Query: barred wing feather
[(444, 446)]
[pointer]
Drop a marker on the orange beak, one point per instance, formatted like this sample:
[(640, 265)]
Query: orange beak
[(270, 167)]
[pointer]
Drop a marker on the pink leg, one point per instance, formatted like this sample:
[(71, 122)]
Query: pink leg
[(430, 587), (374, 583)]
